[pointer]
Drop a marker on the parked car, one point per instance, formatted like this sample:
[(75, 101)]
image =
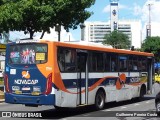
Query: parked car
[(157, 103)]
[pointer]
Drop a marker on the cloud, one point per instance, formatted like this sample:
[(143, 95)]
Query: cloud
[(106, 9), (154, 16), (53, 35), (120, 6), (155, 11), (137, 10), (143, 11)]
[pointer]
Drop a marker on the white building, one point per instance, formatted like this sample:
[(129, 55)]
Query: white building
[(136, 31), (155, 29), (95, 31)]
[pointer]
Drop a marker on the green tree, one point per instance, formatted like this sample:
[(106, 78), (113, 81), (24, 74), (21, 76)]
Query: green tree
[(39, 15), (117, 40), (152, 44)]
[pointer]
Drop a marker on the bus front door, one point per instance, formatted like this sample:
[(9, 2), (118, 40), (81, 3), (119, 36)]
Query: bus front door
[(82, 78)]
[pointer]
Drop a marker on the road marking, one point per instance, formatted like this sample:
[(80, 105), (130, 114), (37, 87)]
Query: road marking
[(123, 107), (86, 114), (64, 119), (107, 110), (136, 104), (148, 102), (3, 103)]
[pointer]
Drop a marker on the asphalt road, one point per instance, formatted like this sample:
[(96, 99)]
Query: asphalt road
[(144, 110), (112, 111)]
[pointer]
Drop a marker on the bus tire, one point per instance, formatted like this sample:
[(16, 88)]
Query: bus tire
[(58, 108), (99, 100), (30, 105), (158, 108), (142, 93)]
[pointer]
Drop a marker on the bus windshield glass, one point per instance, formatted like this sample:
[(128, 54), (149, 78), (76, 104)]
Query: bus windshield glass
[(28, 54)]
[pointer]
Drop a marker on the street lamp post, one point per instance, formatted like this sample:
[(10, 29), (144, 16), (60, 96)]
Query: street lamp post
[(82, 26), (58, 29), (149, 21)]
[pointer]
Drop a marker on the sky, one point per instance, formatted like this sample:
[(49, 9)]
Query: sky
[(128, 10)]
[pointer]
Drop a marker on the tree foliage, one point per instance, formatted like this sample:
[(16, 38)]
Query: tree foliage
[(152, 44), (117, 40), (39, 15)]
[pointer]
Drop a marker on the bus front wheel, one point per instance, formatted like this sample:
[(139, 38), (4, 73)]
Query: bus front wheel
[(99, 100)]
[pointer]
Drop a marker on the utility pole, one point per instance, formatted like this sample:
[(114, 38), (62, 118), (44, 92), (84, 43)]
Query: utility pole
[(58, 29), (149, 21)]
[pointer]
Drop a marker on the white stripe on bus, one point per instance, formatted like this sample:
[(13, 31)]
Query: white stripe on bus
[(68, 76)]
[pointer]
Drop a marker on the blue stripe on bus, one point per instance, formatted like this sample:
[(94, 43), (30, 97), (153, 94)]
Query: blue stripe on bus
[(35, 74), (73, 83), (29, 99)]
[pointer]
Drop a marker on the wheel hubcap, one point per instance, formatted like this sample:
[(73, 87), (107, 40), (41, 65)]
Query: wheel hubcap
[(158, 107), (100, 100)]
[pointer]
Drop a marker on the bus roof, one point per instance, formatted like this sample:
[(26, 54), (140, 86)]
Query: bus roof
[(101, 48), (89, 46)]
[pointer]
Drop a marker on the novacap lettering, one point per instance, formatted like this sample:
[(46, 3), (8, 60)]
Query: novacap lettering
[(19, 81)]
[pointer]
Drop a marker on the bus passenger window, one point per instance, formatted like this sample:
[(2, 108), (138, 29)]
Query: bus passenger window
[(135, 68), (70, 62), (113, 63), (144, 61), (96, 62), (61, 59), (123, 63), (113, 66), (107, 62), (130, 68), (135, 64)]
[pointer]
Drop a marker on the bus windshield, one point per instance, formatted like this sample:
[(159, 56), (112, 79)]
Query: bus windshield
[(28, 54)]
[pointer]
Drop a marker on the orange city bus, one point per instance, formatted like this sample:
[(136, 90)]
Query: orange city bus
[(41, 72)]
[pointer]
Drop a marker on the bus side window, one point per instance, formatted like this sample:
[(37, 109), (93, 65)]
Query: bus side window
[(96, 62), (61, 59), (130, 63), (135, 64), (123, 63), (70, 61), (113, 63), (107, 62), (144, 61), (135, 68), (100, 58)]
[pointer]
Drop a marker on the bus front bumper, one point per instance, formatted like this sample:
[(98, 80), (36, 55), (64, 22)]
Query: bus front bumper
[(29, 99)]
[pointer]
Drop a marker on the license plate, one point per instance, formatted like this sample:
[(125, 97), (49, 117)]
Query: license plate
[(35, 93), (18, 92), (26, 88)]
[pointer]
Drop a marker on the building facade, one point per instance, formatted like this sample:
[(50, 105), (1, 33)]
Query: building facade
[(95, 31)]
